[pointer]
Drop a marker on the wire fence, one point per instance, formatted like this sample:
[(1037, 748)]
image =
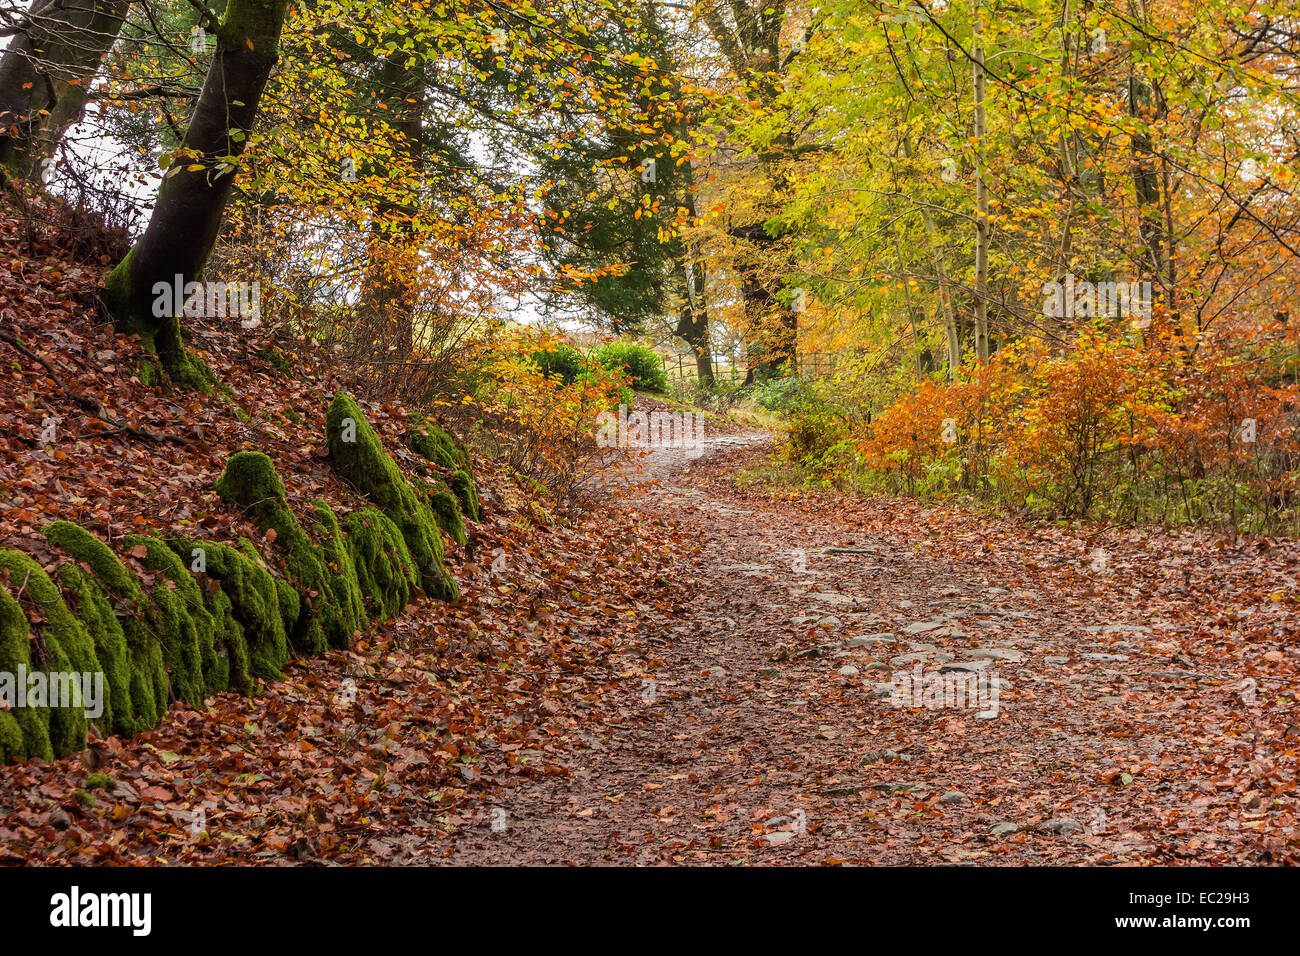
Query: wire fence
[(730, 371)]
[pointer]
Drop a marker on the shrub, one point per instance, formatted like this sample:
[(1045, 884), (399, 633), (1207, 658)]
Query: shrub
[(780, 394), (811, 432), (620, 394), (644, 366), (1109, 428), (541, 427), (562, 360), (1090, 414)]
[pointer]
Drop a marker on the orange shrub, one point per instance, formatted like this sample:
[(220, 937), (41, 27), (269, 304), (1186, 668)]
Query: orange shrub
[(1129, 429), (543, 427), (1083, 424)]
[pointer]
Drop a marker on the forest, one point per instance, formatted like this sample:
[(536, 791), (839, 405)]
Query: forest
[(630, 432)]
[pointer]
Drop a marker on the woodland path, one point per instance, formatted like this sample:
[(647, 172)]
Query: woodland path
[(700, 672), (766, 732)]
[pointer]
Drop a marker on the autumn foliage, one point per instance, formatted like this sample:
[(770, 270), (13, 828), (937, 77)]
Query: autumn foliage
[(1110, 428)]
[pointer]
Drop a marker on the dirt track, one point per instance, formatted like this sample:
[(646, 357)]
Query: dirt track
[(766, 731)]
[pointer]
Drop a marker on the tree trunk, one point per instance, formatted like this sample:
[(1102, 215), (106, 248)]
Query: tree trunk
[(389, 293), (192, 199), (45, 76), (693, 322), (752, 48), (773, 327), (981, 200), (773, 350), (951, 329), (1145, 107)]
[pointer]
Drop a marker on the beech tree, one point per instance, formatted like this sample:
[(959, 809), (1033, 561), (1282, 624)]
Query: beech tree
[(193, 194), (45, 75), (748, 35)]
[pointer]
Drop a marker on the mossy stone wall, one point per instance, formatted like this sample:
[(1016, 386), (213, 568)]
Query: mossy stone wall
[(214, 616)]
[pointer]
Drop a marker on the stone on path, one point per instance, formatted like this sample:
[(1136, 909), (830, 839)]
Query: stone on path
[(998, 653), (1063, 825)]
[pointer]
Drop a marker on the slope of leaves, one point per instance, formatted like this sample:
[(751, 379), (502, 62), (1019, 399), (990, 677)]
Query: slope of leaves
[(144, 459)]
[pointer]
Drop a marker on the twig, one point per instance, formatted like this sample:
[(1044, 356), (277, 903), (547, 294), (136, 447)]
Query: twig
[(89, 404)]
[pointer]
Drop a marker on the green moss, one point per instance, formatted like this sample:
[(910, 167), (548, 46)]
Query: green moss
[(447, 511), (432, 443), (231, 644), (61, 645), (343, 579), (84, 798), (250, 481), (24, 731), (141, 621), (133, 315), (286, 598), (386, 572), (463, 485), (99, 781), (192, 372), (150, 373), (116, 294), (331, 611), (12, 746), (189, 632), (288, 603), (442, 448), (273, 356), (245, 604), (254, 24), (124, 679), (359, 457)]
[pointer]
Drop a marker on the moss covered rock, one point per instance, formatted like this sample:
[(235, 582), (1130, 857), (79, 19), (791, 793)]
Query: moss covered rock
[(245, 603), (24, 731), (447, 510), (331, 610), (441, 448), (430, 442), (359, 457), (343, 579), (386, 572), (229, 642), (201, 617), (251, 482), (189, 635), (123, 677), (61, 645), (463, 485), (119, 598)]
